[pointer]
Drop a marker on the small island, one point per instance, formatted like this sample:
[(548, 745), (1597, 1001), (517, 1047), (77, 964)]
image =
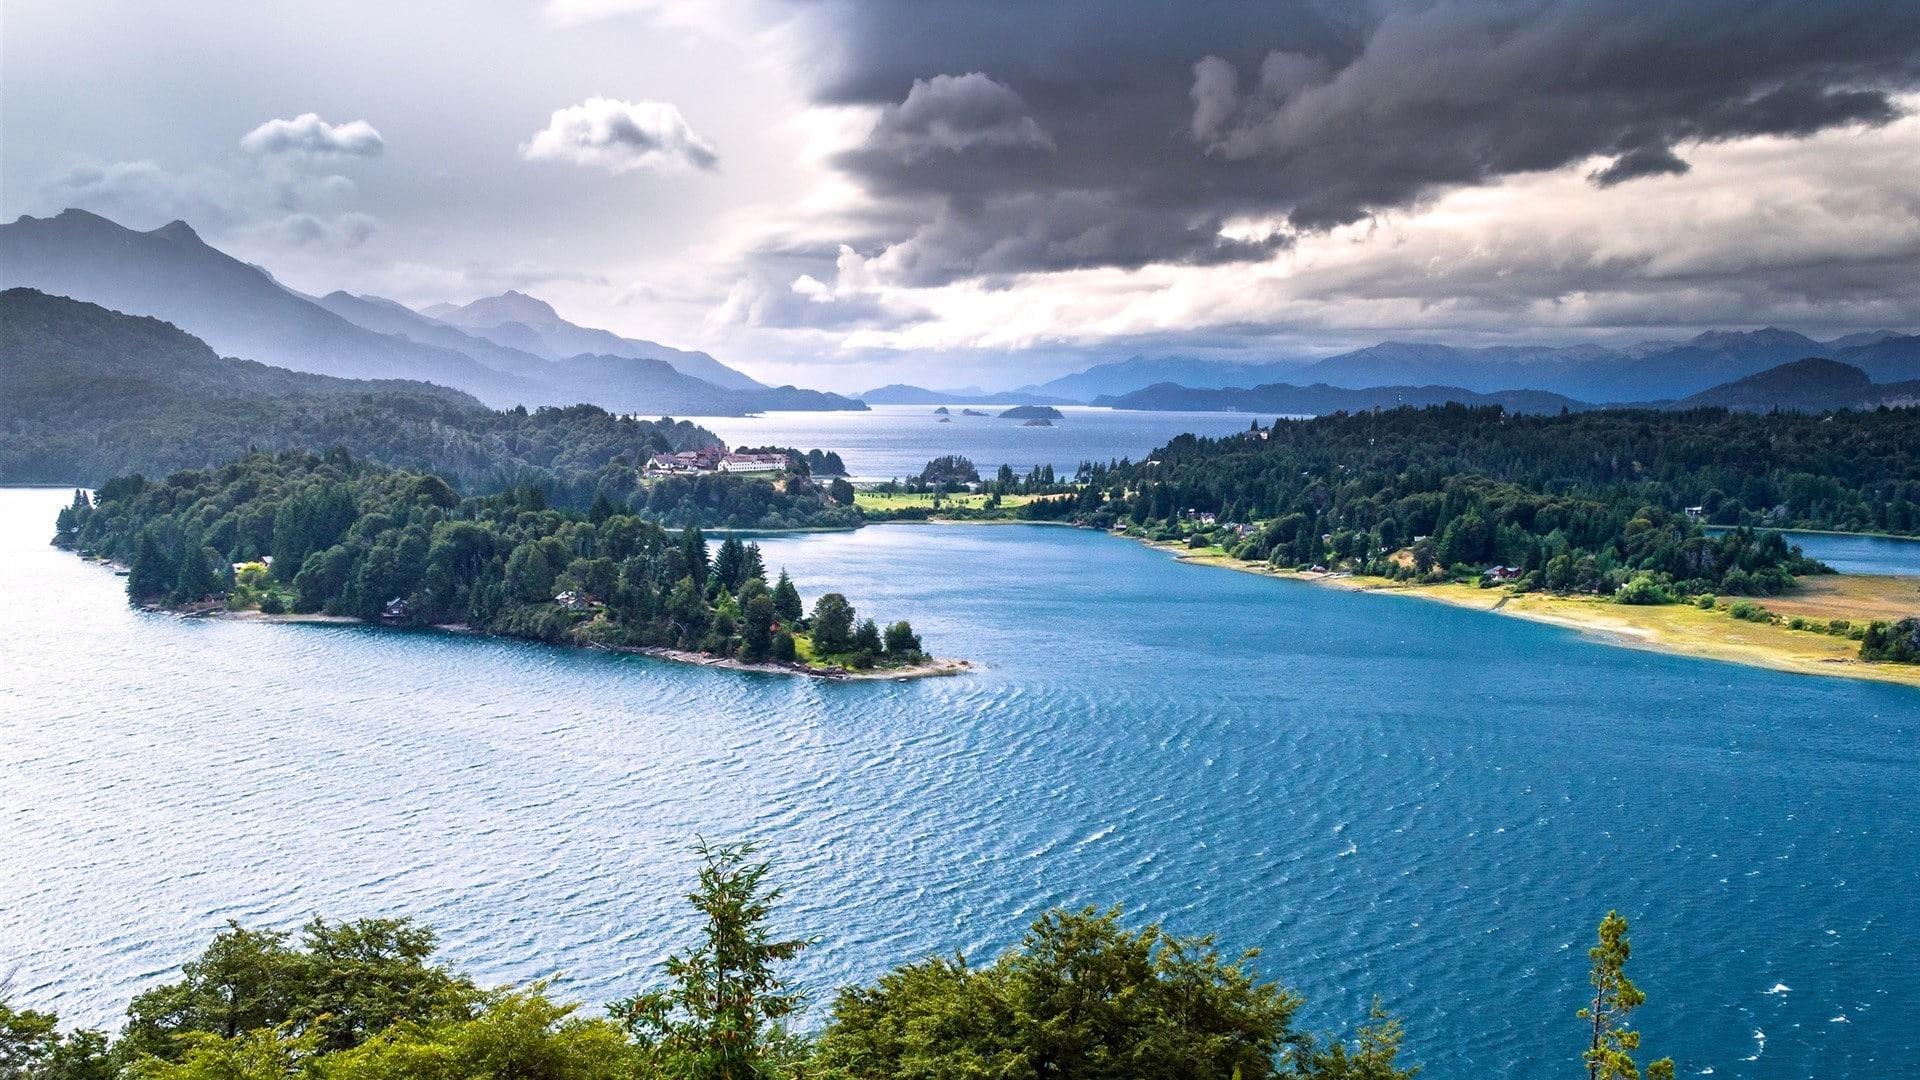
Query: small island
[(971, 412), (941, 411), (1032, 412), (305, 537)]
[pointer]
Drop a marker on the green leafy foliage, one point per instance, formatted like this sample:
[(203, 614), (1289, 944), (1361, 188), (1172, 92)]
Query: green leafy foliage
[(1896, 642), (340, 985), (1081, 996)]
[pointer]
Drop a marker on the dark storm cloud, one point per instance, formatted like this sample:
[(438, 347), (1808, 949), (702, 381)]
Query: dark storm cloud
[(1643, 161), (1170, 120), (950, 114)]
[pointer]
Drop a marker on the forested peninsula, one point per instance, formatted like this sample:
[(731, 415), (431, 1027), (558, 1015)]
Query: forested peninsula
[(307, 534)]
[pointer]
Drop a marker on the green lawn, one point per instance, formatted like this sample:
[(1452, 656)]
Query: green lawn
[(880, 501)]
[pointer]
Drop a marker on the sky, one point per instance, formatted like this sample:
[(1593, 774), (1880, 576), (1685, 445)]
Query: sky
[(845, 194)]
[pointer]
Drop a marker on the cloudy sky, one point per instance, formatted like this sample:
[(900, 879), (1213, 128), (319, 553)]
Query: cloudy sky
[(845, 194)]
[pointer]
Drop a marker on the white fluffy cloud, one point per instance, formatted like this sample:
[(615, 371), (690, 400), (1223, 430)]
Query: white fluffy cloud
[(621, 136), (310, 135)]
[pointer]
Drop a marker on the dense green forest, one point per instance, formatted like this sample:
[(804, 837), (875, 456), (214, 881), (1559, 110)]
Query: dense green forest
[(1588, 502), (1081, 996), (310, 533)]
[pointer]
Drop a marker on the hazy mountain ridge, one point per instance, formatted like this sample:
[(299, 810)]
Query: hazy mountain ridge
[(524, 322), (1811, 384), (239, 309), (907, 394), (1284, 399), (1644, 372), (1814, 384), (63, 355)]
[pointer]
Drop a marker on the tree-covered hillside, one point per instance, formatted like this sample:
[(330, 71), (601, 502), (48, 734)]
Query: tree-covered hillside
[(1583, 502), (87, 393)]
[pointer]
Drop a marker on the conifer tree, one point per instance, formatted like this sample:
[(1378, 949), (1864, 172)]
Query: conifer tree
[(1609, 1055), (786, 600), (719, 1018)]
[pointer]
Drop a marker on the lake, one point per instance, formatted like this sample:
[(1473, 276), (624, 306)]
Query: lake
[(1386, 795), (897, 441), (1851, 554)]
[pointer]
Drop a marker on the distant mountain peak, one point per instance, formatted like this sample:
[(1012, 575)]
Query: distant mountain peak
[(1813, 367), (512, 306), (1765, 337), (1865, 337), (179, 232)]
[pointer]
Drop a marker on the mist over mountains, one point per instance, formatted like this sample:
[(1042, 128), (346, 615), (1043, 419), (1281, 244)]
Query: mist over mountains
[(506, 350)]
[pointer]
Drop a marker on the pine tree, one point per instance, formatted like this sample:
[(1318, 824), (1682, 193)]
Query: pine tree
[(693, 548), (786, 601), (152, 572), (1609, 1055), (719, 1019), (729, 564)]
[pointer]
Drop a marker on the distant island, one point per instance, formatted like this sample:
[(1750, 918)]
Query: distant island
[(1032, 412), (303, 536), (971, 412)]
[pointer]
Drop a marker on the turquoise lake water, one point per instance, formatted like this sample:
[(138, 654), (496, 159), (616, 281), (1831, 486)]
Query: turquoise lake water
[(1386, 795)]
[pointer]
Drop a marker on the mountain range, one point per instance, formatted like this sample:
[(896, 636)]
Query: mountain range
[(1814, 384), (1646, 372), (1811, 384), (1284, 399), (903, 394), (505, 350)]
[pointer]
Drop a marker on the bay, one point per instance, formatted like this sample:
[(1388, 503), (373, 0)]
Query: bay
[(897, 441), (1385, 795), (1856, 554)]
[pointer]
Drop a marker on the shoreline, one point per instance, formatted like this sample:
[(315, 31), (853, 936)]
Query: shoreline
[(1673, 629), (931, 667)]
